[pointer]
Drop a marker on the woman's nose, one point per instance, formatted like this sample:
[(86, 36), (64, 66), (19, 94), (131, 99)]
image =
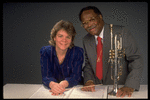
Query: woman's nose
[(64, 39)]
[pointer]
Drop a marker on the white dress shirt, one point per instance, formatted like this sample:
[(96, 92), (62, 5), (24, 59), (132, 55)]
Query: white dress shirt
[(100, 35)]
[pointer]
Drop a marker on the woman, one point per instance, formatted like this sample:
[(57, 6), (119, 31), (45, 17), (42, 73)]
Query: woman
[(61, 61)]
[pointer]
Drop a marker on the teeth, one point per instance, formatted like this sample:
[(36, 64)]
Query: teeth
[(63, 44), (91, 27)]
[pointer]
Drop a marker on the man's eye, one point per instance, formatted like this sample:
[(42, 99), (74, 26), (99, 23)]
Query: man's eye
[(84, 23), (92, 19)]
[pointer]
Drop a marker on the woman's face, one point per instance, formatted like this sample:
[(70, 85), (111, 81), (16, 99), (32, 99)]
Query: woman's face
[(62, 40)]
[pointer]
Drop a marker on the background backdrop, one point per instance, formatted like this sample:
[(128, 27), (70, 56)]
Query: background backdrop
[(27, 26)]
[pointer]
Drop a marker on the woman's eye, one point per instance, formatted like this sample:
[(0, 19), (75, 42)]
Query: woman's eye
[(69, 37), (60, 36)]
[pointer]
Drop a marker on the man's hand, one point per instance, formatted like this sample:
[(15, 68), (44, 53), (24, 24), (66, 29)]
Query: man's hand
[(56, 88), (124, 91), (89, 86)]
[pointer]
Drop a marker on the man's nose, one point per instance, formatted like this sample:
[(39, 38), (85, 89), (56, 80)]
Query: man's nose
[(89, 24)]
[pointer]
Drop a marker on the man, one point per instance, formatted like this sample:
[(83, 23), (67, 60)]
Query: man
[(93, 23)]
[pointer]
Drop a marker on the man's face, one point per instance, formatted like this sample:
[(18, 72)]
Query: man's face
[(92, 22)]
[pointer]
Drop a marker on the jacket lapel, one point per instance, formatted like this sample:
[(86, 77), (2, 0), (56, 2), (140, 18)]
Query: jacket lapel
[(106, 48), (93, 54)]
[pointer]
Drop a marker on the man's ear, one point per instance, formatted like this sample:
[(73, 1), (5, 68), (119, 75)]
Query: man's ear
[(100, 16)]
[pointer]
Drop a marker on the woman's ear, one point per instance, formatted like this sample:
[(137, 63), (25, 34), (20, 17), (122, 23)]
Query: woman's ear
[(54, 39)]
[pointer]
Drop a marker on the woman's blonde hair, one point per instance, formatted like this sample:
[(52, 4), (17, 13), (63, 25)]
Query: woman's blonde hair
[(67, 26)]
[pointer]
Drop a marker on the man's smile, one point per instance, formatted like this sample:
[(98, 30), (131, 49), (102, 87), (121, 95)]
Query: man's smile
[(91, 28)]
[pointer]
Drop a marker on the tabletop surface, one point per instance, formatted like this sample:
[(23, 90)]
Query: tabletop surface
[(142, 93), (39, 91)]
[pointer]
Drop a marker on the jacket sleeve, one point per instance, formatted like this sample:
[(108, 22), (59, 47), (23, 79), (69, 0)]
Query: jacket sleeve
[(45, 68), (87, 70), (135, 65), (75, 76)]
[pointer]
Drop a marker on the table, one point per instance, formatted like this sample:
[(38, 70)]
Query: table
[(142, 93), (19, 90), (28, 91)]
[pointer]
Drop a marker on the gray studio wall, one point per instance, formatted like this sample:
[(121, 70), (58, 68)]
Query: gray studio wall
[(26, 28)]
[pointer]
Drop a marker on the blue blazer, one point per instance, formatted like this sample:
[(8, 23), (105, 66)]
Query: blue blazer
[(70, 69)]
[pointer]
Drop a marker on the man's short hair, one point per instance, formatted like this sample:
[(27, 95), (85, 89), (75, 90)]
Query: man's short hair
[(95, 9)]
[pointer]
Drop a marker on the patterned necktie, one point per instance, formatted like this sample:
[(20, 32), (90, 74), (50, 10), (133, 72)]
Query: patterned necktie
[(99, 64)]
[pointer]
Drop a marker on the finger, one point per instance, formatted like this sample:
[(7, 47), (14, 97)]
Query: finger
[(90, 89), (83, 88), (129, 94), (118, 90), (93, 89), (86, 88), (62, 89), (52, 93), (55, 91), (123, 94), (60, 93), (119, 93), (55, 94), (58, 89)]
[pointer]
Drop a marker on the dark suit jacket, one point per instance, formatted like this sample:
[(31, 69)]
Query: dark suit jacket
[(132, 66)]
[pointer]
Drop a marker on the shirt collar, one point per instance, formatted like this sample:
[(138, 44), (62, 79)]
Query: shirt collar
[(100, 35)]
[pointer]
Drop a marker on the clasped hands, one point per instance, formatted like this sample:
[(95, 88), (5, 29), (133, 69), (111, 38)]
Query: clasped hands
[(90, 86), (58, 88)]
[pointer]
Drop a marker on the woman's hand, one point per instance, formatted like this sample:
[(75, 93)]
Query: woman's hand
[(56, 88), (64, 83)]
